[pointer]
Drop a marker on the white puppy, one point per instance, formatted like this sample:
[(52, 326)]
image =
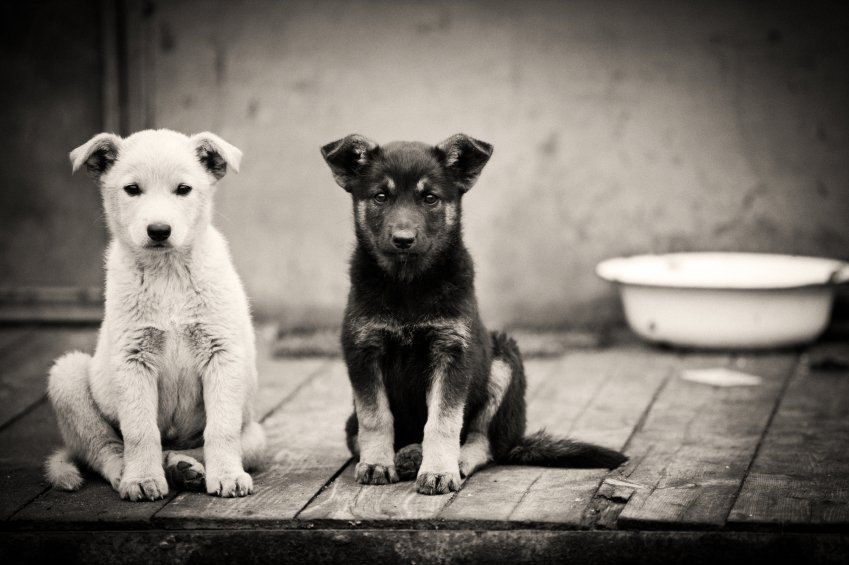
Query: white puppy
[(175, 365)]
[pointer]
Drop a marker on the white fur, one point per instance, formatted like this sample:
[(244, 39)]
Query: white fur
[(175, 357), (62, 472)]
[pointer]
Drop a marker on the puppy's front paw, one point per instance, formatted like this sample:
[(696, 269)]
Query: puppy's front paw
[(229, 485), (143, 488), (437, 483), (375, 474)]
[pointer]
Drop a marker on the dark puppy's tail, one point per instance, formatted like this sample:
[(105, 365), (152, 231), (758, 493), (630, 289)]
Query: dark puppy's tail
[(544, 450)]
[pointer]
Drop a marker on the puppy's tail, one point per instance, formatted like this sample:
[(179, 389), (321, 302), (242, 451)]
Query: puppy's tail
[(544, 450), (62, 472)]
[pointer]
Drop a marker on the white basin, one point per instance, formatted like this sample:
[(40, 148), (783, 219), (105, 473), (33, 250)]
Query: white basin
[(726, 300)]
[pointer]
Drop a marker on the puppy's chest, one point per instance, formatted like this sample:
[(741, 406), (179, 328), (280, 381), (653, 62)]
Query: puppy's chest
[(182, 416), (416, 333), (165, 302), (179, 312)]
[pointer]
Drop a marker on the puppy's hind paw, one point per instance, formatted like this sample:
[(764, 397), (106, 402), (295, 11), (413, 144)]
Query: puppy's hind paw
[(372, 474), (185, 473), (408, 460), (437, 483)]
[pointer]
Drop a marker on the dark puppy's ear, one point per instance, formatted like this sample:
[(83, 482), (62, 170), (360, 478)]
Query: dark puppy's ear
[(98, 153), (466, 156), (215, 154), (347, 156)]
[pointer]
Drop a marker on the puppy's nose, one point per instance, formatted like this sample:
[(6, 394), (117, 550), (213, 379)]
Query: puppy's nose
[(403, 239), (158, 232)]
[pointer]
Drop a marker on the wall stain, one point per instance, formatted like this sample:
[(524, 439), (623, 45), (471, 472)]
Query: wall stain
[(550, 145), (253, 108), (441, 24), (167, 41), (220, 63)]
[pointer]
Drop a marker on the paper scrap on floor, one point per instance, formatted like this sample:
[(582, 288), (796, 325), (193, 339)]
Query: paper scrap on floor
[(720, 376)]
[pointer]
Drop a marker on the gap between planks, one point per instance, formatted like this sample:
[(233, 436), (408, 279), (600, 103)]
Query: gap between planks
[(694, 450)]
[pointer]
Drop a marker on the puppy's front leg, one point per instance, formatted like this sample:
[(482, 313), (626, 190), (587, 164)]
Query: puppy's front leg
[(376, 435), (222, 368), (446, 398), (137, 371), (363, 348)]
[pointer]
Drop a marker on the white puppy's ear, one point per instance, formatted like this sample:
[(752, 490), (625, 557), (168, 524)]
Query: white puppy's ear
[(98, 153), (215, 154)]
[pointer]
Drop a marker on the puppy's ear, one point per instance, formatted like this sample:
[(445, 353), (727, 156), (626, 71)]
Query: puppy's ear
[(98, 153), (347, 156), (215, 154), (466, 156)]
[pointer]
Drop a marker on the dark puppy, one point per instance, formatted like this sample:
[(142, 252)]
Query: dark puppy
[(430, 383)]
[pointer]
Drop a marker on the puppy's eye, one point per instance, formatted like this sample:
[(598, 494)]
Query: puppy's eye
[(380, 197), (182, 190), (132, 189), (431, 199)]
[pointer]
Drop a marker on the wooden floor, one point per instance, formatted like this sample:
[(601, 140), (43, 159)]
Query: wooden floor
[(745, 474)]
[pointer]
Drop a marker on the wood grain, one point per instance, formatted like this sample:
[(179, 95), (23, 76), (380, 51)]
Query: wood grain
[(596, 396), (691, 455), (279, 377), (800, 477)]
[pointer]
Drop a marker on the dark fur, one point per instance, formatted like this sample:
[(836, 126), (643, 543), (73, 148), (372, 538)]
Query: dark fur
[(433, 280)]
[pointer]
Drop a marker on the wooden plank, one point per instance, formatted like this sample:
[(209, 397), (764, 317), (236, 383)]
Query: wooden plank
[(24, 446), (691, 455), (23, 381), (596, 396), (372, 505), (349, 501), (97, 503), (94, 506), (280, 377), (353, 547), (800, 477), (307, 448), (10, 336)]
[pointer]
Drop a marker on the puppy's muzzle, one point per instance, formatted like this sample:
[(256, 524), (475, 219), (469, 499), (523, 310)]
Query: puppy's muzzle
[(159, 232), (403, 240)]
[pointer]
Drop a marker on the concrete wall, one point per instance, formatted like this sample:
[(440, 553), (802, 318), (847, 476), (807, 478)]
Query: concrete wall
[(619, 128)]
